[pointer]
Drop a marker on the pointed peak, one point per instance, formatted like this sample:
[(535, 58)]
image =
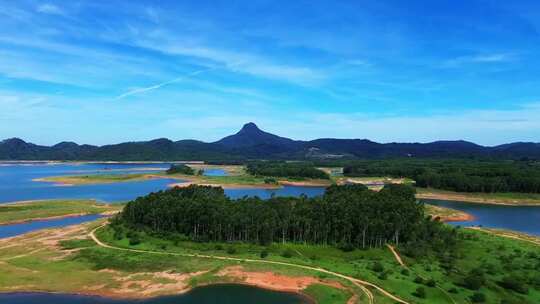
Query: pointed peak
[(250, 126)]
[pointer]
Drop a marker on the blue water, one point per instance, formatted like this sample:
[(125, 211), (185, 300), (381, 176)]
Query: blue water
[(519, 218), (215, 172), (22, 228), (16, 182), (213, 294)]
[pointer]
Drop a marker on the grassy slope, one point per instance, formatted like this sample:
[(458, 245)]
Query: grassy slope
[(480, 251), (10, 213)]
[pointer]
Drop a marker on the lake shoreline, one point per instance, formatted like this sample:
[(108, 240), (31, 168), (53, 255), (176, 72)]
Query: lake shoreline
[(467, 198), (138, 297)]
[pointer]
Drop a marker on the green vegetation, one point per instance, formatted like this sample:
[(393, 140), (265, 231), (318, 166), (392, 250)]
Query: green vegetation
[(501, 260), (478, 263), (324, 294), (180, 169), (285, 169), (349, 217), (25, 211), (456, 175)]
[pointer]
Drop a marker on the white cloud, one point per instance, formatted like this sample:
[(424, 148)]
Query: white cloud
[(479, 59), (162, 84), (234, 61), (51, 9)]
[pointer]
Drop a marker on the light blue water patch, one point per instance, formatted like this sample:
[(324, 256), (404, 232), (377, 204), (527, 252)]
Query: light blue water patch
[(215, 172), (17, 182), (22, 228)]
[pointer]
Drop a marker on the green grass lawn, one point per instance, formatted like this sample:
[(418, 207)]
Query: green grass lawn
[(17, 212)]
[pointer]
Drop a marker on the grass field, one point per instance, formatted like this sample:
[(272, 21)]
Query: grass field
[(24, 211)]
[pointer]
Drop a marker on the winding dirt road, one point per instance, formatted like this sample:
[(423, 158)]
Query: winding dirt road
[(361, 284)]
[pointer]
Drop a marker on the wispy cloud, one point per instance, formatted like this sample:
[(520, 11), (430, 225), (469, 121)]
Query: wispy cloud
[(250, 63), (479, 59), (51, 9), (162, 84)]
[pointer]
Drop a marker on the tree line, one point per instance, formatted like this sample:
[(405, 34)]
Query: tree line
[(349, 216), (180, 169), (285, 169), (456, 175)]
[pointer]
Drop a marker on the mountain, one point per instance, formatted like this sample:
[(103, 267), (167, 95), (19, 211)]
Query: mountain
[(253, 143), (250, 135)]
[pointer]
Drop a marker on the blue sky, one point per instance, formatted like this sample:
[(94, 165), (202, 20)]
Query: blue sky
[(103, 72)]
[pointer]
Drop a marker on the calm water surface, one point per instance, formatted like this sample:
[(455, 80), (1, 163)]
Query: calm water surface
[(22, 228), (215, 172), (519, 218), (213, 294), (16, 182)]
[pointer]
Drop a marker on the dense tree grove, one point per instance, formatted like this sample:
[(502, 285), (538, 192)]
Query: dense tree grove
[(285, 169), (457, 175), (348, 216), (180, 169)]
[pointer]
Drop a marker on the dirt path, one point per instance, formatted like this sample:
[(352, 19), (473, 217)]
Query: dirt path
[(360, 283), (400, 262), (396, 255)]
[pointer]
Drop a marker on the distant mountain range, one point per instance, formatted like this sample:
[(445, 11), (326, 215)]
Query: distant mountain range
[(253, 143)]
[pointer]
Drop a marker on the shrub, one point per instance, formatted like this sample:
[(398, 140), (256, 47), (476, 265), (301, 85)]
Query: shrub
[(431, 283), (287, 253), (514, 283), (453, 290), (377, 267), (405, 272), (474, 280), (134, 240), (270, 180), (418, 280), (231, 250), (218, 247), (478, 297), (420, 293), (264, 254), (346, 247), (180, 169)]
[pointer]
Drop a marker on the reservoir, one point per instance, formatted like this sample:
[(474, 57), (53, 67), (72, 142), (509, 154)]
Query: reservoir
[(212, 294), (518, 218), (16, 184)]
